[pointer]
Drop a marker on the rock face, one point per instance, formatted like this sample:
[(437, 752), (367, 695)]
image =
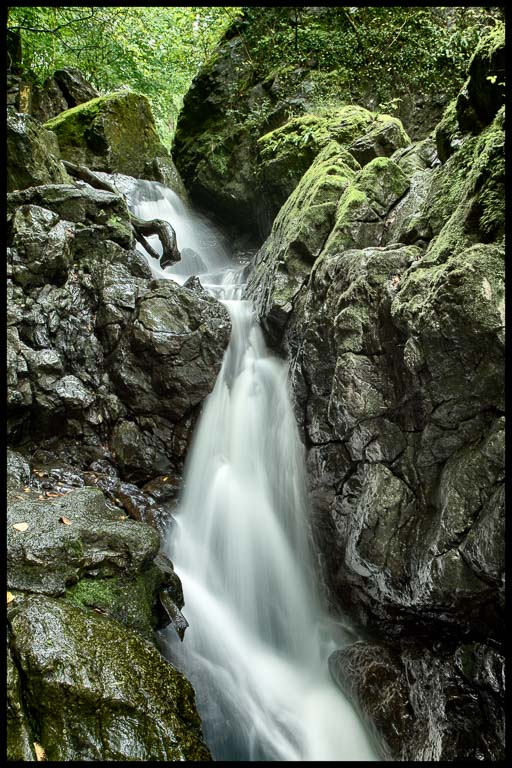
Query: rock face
[(106, 371), (33, 153), (425, 705), (86, 325), (112, 133), (383, 281)]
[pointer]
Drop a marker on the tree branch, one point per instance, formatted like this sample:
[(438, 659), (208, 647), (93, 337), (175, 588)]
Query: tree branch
[(162, 229)]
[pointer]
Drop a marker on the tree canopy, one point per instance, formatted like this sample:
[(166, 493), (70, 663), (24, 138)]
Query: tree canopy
[(154, 50), (158, 50)]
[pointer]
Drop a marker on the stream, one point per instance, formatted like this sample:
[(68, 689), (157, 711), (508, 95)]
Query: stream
[(258, 639)]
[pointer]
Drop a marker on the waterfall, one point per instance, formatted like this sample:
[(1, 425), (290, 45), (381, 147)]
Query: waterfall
[(257, 645)]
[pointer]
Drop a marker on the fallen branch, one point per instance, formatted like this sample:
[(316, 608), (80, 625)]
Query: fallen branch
[(162, 229)]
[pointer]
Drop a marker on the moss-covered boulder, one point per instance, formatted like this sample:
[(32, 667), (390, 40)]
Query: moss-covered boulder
[(113, 133), (33, 153), (96, 539), (336, 206), (116, 699)]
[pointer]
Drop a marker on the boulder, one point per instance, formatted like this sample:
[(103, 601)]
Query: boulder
[(112, 133), (423, 705), (115, 699), (33, 153)]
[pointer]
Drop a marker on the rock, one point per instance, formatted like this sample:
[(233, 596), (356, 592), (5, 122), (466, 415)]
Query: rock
[(75, 88), (42, 246), (112, 133), (423, 704), (19, 737), (18, 470), (50, 555), (100, 213), (34, 156), (147, 707), (174, 328), (47, 100), (484, 91)]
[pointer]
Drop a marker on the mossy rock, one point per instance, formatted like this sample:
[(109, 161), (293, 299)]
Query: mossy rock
[(99, 541), (95, 690), (114, 133), (484, 91), (455, 312)]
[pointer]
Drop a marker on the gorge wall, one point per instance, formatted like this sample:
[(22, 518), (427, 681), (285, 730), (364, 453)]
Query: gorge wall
[(381, 279)]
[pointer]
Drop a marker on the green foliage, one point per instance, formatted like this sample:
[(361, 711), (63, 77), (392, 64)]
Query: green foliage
[(153, 50), (385, 48)]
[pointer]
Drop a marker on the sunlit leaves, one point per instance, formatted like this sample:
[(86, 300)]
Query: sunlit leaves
[(153, 50)]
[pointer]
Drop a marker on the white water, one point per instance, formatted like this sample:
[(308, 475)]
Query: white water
[(257, 645)]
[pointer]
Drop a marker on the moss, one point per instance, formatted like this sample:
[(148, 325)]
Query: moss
[(447, 132), (127, 601), (99, 691), (383, 181), (115, 132), (493, 42), (487, 177)]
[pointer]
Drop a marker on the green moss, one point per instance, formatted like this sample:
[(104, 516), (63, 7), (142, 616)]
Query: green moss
[(491, 43), (487, 177), (127, 601), (115, 132), (447, 131)]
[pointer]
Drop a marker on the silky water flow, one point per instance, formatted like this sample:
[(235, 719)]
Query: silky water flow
[(258, 640)]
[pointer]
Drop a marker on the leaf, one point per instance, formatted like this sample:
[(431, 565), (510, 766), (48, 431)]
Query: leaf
[(26, 490), (40, 753), (20, 526), (65, 520), (165, 478), (53, 495), (492, 78), (10, 597)]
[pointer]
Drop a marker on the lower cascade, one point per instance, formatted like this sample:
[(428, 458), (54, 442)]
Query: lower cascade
[(258, 639)]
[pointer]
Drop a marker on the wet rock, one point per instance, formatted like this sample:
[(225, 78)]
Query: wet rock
[(422, 704), (51, 554), (147, 707), (94, 212), (174, 329), (105, 134), (34, 156), (20, 745), (42, 246)]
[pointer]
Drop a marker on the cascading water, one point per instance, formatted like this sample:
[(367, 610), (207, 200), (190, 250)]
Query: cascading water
[(257, 645)]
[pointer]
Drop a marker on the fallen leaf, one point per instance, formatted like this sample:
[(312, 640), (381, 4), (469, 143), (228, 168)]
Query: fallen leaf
[(20, 526), (165, 478), (40, 753), (65, 520), (26, 490), (54, 495), (10, 597), (98, 610)]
